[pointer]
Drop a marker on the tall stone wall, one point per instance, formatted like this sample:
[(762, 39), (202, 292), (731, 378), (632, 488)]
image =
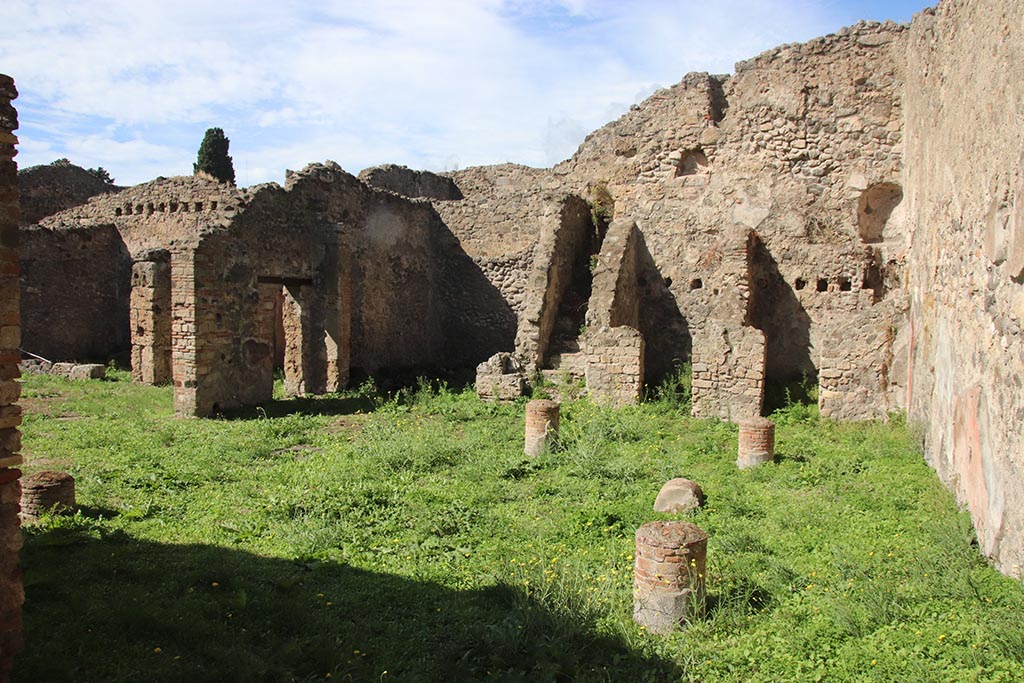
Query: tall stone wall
[(964, 183), (150, 319), (11, 592)]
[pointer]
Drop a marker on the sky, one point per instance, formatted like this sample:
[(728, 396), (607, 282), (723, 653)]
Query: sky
[(131, 85)]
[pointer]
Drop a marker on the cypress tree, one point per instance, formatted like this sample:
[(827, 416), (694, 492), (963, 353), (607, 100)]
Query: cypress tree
[(213, 157)]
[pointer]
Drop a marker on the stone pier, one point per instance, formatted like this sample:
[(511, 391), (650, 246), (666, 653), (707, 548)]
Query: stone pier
[(11, 592)]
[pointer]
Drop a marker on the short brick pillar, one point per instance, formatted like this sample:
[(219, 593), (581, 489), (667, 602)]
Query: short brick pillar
[(757, 442), (44, 491), (668, 575), (541, 426)]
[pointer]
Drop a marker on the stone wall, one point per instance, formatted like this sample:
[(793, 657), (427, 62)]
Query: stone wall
[(615, 365), (357, 269), (75, 291), (964, 183), (409, 183), (801, 145), (494, 236), (561, 254), (46, 190), (150, 318), (11, 592)]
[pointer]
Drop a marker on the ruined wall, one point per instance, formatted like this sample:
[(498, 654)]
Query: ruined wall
[(791, 146), (728, 352), (11, 593), (46, 190), (356, 268), (409, 183), (614, 346), (491, 244), (75, 288), (964, 182), (562, 253)]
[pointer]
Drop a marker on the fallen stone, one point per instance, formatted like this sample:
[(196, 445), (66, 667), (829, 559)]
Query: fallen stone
[(679, 495), (88, 371), (62, 369)]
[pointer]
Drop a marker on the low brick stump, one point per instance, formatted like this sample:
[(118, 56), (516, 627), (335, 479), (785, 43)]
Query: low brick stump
[(668, 575), (757, 442), (45, 491), (541, 426)]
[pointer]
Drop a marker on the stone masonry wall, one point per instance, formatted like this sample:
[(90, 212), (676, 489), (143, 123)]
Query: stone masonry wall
[(615, 365), (791, 147), (409, 183), (563, 235), (75, 290), (46, 190), (150, 323), (11, 593), (491, 244), (964, 181)]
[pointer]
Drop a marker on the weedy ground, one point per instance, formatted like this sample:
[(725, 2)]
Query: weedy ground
[(362, 537)]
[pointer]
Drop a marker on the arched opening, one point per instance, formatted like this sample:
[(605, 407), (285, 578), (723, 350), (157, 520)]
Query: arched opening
[(874, 209)]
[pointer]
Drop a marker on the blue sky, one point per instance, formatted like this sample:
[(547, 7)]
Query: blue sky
[(131, 85)]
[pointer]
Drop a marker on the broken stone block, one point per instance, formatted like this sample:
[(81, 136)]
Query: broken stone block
[(502, 377), (88, 371), (62, 369), (679, 495)]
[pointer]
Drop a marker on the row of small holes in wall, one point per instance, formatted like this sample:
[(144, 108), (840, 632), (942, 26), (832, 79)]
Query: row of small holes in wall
[(182, 207), (845, 284)]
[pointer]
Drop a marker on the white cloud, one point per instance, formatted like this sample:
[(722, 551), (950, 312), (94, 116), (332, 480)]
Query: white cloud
[(131, 85)]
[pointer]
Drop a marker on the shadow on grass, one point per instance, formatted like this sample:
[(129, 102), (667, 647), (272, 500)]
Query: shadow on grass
[(106, 607), (312, 405)]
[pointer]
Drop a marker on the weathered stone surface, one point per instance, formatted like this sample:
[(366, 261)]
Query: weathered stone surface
[(88, 371), (964, 171), (62, 369), (679, 495), (756, 442), (46, 190), (46, 491)]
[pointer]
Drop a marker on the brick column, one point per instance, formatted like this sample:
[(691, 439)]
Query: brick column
[(541, 426), (11, 592), (756, 442), (668, 576)]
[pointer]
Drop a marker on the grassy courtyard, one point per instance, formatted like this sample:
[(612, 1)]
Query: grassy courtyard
[(362, 537)]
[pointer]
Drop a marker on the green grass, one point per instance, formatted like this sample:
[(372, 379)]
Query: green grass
[(368, 538)]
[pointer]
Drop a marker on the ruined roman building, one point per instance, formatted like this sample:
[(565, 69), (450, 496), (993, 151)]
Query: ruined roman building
[(841, 211)]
